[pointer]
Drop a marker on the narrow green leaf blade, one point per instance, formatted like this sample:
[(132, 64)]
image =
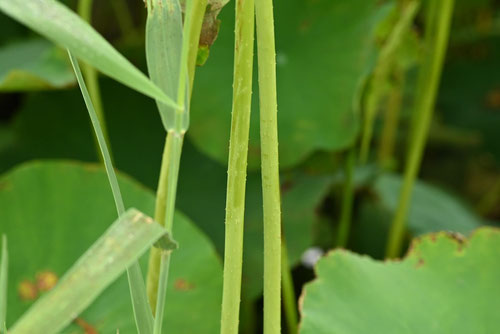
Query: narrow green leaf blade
[(142, 311), (163, 52), (3, 285), (62, 26), (107, 258)]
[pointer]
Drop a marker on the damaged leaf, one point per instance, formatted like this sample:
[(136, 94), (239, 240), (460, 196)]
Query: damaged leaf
[(446, 284)]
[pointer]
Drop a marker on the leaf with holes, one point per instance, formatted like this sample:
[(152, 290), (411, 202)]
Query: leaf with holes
[(446, 284)]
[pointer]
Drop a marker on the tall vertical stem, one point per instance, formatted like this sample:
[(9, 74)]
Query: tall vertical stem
[(289, 297), (347, 199), (391, 120), (167, 186), (437, 42), (237, 165), (270, 165)]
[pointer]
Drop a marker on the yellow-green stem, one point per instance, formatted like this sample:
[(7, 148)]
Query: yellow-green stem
[(270, 165), (92, 80), (391, 120), (237, 165), (288, 291), (437, 43), (377, 83), (167, 185), (347, 199)]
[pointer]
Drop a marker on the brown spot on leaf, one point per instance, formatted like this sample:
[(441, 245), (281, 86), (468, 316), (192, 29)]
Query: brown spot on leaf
[(46, 280), (183, 285), (88, 329), (420, 263), (27, 290)]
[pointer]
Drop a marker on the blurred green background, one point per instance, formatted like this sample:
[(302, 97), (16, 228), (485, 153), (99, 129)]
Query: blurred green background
[(327, 52)]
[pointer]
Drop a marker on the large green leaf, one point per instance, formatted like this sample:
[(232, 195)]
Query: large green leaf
[(58, 23), (34, 65), (323, 52), (122, 244), (53, 211), (444, 285)]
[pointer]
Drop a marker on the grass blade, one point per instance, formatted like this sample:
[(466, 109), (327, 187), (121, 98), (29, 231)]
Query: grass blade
[(142, 311), (121, 245), (115, 188), (4, 267), (163, 52), (62, 26)]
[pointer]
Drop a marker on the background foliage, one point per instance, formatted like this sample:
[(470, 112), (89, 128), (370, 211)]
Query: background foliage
[(326, 53)]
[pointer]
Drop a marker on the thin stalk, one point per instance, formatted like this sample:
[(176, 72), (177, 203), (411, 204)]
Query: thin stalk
[(431, 20), (142, 312), (384, 64), (347, 199), (4, 269), (123, 17), (289, 297), (92, 79), (270, 165), (159, 261), (391, 120), (424, 109), (160, 284), (237, 165)]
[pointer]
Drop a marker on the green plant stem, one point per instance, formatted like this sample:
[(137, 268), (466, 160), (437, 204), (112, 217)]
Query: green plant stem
[(347, 199), (377, 83), (391, 120), (164, 215), (165, 202), (424, 107), (289, 297), (4, 267), (123, 17), (270, 165), (92, 80), (237, 165)]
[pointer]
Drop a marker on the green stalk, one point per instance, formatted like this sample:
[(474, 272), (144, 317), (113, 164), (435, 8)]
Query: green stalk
[(391, 120), (167, 187), (237, 165), (381, 71), (92, 79), (289, 297), (437, 42), (142, 312), (270, 165), (123, 17), (4, 267), (347, 199), (162, 266)]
